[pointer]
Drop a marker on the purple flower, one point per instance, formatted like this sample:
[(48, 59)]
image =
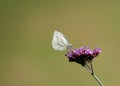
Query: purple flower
[(82, 55)]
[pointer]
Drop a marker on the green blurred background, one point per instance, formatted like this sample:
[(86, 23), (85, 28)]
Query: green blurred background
[(26, 29)]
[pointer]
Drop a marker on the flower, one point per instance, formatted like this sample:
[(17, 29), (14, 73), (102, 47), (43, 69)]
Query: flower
[(82, 55)]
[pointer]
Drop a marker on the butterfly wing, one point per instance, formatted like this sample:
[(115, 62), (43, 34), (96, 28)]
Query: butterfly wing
[(59, 41)]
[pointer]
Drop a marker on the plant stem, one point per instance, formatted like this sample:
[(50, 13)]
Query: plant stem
[(97, 79), (93, 74)]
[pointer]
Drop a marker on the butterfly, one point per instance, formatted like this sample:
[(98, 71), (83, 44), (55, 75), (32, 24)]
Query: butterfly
[(59, 42)]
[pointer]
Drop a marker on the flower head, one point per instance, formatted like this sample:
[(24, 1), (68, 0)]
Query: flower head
[(82, 55)]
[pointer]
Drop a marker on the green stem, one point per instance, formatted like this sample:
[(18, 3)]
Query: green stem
[(93, 74), (97, 79)]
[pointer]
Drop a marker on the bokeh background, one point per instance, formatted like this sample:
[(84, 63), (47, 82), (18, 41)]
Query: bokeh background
[(26, 29)]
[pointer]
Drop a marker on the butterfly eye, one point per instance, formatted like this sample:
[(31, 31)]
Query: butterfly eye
[(69, 46)]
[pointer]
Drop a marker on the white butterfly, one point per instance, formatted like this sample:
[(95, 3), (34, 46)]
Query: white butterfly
[(59, 42)]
